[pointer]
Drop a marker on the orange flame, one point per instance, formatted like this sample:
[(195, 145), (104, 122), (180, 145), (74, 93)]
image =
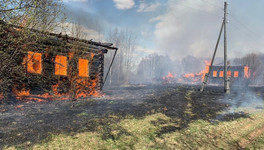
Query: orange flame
[(61, 65), (22, 92), (214, 73), (201, 73), (55, 90), (229, 73), (71, 55), (221, 74), (33, 62), (92, 56), (189, 75), (246, 72), (168, 76), (1, 96), (236, 73), (83, 68), (87, 88)]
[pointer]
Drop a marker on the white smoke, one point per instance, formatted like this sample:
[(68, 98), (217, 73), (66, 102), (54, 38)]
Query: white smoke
[(241, 100)]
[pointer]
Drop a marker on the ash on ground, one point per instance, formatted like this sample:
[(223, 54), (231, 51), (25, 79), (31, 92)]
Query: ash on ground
[(34, 122)]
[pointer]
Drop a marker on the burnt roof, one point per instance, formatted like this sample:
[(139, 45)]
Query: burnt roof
[(54, 36)]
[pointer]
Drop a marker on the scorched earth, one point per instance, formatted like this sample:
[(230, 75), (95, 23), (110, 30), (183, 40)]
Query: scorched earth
[(163, 111)]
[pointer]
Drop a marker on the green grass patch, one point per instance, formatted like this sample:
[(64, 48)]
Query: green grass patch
[(82, 114), (188, 108)]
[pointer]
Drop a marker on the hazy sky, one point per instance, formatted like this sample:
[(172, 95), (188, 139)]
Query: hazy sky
[(176, 27)]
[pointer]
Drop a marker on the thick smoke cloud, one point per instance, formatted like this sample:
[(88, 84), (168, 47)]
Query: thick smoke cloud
[(191, 28), (184, 30), (83, 17)]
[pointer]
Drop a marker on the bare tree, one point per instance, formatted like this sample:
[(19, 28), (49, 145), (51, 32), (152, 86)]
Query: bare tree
[(39, 14), (77, 30), (254, 63), (129, 47), (115, 38), (125, 41)]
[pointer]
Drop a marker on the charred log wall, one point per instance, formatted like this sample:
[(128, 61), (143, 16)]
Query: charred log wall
[(97, 69), (72, 82), (49, 46)]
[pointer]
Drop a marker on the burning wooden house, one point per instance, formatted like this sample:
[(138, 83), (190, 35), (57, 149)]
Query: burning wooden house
[(236, 74), (47, 64)]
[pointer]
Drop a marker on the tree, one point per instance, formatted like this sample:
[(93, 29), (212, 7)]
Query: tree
[(121, 69), (77, 30), (127, 47), (43, 15), (254, 63)]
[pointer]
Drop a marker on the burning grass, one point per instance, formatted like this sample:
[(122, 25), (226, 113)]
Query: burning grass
[(139, 117)]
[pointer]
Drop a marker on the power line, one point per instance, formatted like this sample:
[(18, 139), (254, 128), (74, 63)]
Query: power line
[(249, 44), (237, 27), (245, 26), (249, 33)]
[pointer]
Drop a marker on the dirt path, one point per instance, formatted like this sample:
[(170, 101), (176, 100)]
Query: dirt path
[(245, 142)]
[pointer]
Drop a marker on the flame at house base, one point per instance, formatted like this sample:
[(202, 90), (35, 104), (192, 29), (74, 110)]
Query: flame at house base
[(83, 88)]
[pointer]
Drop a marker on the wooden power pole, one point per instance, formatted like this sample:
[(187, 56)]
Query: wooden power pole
[(226, 78), (212, 61)]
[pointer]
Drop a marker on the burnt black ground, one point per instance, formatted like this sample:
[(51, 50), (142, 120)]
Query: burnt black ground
[(34, 122)]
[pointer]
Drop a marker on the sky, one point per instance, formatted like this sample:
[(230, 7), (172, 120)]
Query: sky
[(176, 28)]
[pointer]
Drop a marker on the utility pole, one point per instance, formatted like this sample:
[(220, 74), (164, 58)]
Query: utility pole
[(212, 61), (226, 78)]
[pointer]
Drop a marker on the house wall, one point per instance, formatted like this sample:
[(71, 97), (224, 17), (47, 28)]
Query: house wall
[(236, 74), (54, 76)]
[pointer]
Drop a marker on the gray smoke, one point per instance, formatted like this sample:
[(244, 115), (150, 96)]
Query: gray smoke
[(244, 100), (86, 19)]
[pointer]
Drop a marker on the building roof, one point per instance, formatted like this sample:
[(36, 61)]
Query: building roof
[(58, 37)]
